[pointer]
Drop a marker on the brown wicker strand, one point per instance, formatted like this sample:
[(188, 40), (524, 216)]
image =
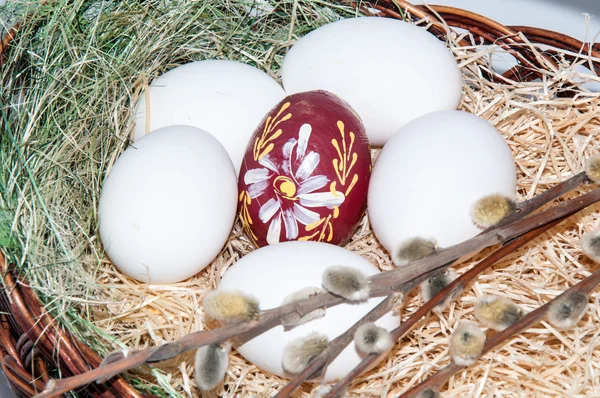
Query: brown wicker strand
[(7, 340), (11, 363), (490, 31), (40, 329), (7, 39)]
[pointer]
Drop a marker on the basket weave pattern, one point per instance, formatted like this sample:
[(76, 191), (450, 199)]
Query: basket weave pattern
[(30, 341)]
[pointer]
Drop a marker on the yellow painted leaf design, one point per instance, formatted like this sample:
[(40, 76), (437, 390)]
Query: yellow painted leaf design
[(309, 237), (266, 151), (260, 148), (330, 236), (352, 184), (314, 225)]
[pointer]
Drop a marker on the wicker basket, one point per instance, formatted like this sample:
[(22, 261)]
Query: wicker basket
[(28, 335)]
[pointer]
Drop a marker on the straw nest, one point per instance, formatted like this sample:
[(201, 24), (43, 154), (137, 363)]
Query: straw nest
[(73, 77)]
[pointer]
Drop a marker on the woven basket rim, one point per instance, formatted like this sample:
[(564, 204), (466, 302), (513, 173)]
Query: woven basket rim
[(26, 320)]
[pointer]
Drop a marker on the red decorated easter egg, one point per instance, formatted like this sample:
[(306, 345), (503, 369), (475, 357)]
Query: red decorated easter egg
[(305, 172)]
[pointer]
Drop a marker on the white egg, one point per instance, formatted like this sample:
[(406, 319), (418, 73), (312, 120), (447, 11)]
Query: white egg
[(429, 174), (168, 205), (389, 71), (228, 99), (273, 272)]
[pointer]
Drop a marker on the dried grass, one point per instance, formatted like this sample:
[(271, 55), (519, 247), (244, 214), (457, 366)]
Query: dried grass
[(70, 121)]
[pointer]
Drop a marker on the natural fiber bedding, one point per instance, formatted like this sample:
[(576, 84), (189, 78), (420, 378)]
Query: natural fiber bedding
[(79, 77)]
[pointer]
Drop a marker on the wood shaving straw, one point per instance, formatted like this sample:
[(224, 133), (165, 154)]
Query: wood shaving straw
[(550, 137)]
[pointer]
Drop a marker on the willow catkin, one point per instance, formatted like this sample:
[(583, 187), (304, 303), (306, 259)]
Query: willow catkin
[(298, 353), (346, 282), (490, 210), (230, 307), (497, 313), (466, 343), (211, 365), (435, 284), (372, 339), (414, 249), (567, 310)]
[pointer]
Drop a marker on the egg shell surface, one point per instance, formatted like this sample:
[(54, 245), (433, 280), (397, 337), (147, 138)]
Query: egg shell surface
[(226, 98), (306, 172), (272, 272), (430, 173), (168, 205), (389, 71)]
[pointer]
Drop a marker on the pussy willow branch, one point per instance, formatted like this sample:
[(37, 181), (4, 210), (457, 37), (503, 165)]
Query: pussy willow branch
[(389, 281), (458, 284), (437, 380), (529, 206), (337, 345), (382, 284), (525, 208)]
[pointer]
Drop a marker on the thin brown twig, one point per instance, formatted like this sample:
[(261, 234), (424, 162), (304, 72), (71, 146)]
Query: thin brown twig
[(337, 345), (381, 285), (529, 206), (437, 380), (525, 208), (458, 284), (392, 280)]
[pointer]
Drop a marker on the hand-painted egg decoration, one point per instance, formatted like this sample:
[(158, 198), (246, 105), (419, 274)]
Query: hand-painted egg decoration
[(305, 172)]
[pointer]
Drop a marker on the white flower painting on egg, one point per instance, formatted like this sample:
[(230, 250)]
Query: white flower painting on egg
[(305, 172), (291, 192)]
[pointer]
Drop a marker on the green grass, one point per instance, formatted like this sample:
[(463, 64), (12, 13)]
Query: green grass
[(73, 77)]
